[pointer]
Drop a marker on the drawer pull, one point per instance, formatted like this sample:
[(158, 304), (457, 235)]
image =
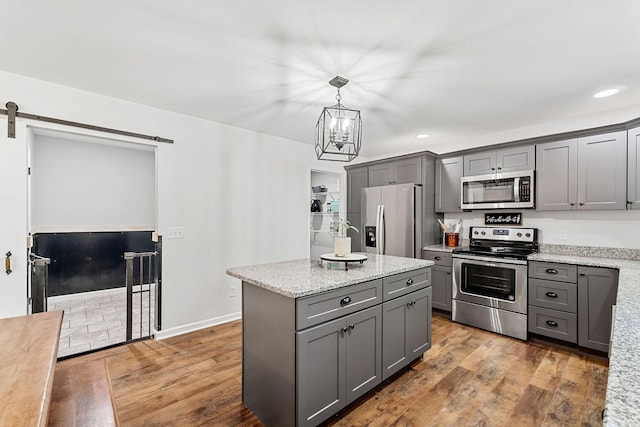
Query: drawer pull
[(344, 301), (551, 295), (552, 323), (552, 271), (409, 282), (437, 258)]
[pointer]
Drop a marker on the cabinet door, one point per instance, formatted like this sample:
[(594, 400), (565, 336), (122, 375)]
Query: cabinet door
[(406, 330), (408, 171), (382, 174), (633, 168), (597, 290), (556, 177), (602, 171), (516, 159), (357, 178), (441, 287), (480, 163), (448, 174), (419, 323), (321, 372), (363, 352)]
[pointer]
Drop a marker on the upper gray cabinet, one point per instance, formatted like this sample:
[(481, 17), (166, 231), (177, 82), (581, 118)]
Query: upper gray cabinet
[(633, 172), (448, 174), (504, 160), (588, 173), (403, 171), (357, 179)]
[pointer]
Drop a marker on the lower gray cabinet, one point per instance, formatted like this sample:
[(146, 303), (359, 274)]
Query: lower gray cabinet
[(406, 330), (597, 290), (441, 283), (338, 361)]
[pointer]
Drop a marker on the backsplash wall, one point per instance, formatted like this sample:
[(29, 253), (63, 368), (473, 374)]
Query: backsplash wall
[(611, 229)]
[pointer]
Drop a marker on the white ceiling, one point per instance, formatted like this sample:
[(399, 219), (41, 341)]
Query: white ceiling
[(468, 72)]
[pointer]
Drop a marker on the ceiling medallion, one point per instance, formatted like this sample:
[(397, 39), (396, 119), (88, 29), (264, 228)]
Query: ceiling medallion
[(339, 129)]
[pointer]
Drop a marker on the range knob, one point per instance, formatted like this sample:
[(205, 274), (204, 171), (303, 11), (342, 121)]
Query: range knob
[(519, 234), (475, 232), (483, 233), (528, 234)]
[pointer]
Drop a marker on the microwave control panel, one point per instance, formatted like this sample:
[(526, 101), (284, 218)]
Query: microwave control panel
[(525, 189)]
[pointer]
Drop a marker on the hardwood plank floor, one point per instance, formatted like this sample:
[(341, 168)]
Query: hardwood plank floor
[(469, 377)]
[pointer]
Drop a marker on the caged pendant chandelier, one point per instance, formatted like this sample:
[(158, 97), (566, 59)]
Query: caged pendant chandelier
[(339, 129)]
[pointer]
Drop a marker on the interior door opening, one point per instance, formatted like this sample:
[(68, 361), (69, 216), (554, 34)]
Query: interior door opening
[(91, 200)]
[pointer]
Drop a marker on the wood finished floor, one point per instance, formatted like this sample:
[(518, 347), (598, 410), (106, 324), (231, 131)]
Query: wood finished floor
[(469, 377)]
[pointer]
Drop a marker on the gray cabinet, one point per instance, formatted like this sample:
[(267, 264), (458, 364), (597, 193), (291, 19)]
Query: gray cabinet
[(504, 160), (406, 330), (357, 179), (338, 361), (403, 171), (572, 303), (587, 173), (441, 279), (597, 290), (633, 168), (448, 174)]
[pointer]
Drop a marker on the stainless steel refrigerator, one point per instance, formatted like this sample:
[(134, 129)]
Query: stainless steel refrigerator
[(392, 220)]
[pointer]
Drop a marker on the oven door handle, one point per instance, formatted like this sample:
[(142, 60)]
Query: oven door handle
[(493, 261)]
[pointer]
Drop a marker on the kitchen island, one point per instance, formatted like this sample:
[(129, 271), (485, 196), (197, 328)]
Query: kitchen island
[(315, 338)]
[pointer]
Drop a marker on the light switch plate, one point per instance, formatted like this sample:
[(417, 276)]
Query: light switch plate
[(175, 232)]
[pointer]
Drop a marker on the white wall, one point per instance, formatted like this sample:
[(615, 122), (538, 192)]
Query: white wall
[(241, 196), (86, 186), (610, 229)]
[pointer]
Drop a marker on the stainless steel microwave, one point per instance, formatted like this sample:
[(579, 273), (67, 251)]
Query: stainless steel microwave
[(506, 190)]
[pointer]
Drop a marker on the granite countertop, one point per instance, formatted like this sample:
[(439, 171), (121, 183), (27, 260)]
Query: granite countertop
[(623, 384), (442, 248), (303, 277)]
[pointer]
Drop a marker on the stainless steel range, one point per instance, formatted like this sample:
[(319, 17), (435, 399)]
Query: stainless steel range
[(490, 279)]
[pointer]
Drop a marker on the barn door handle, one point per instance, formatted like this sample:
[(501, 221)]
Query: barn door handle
[(7, 262)]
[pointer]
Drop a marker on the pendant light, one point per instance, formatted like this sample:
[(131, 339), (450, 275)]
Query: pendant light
[(339, 129)]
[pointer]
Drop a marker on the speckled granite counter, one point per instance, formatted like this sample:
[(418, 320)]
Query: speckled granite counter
[(303, 277), (623, 384)]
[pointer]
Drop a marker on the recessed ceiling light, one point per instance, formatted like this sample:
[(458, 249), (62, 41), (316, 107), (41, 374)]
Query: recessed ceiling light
[(605, 93), (423, 135)]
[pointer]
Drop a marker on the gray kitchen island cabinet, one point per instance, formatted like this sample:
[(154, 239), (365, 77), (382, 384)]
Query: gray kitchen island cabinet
[(313, 337), (597, 291), (587, 173)]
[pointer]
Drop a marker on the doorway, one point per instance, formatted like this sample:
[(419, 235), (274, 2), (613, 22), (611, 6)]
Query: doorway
[(324, 212), (91, 200)]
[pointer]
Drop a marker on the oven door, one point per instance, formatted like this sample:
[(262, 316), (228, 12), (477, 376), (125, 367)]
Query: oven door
[(492, 282)]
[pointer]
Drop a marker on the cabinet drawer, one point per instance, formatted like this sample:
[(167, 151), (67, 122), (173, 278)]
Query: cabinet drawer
[(440, 258), (555, 295), (333, 304), (553, 323), (404, 283), (553, 271)]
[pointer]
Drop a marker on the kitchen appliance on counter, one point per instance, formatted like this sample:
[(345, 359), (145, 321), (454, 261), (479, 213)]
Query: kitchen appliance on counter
[(490, 279), (498, 191), (392, 220)]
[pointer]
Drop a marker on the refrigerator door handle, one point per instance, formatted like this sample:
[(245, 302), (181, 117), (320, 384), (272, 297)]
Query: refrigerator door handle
[(378, 229), (382, 231)]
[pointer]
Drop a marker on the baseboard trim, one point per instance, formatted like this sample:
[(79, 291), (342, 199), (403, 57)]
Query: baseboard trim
[(191, 327)]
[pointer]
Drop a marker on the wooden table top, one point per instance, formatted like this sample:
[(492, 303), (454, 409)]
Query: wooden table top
[(29, 350)]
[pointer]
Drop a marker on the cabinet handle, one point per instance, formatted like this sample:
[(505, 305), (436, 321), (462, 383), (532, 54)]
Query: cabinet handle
[(499, 169), (449, 273), (551, 271), (352, 327), (409, 282), (552, 323), (551, 295), (7, 262), (581, 203), (572, 204), (344, 301), (493, 169), (437, 258), (582, 274), (344, 330)]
